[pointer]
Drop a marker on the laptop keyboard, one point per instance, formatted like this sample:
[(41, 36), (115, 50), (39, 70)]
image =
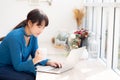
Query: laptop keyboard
[(45, 68)]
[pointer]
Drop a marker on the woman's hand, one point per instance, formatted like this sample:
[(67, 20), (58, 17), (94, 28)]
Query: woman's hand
[(54, 64), (38, 57)]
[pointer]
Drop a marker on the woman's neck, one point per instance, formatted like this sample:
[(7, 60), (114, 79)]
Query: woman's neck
[(27, 31)]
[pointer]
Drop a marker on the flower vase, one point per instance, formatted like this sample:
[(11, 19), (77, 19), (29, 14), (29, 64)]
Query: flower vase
[(81, 43)]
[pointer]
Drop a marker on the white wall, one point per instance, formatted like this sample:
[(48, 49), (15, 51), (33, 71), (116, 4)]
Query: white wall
[(60, 14)]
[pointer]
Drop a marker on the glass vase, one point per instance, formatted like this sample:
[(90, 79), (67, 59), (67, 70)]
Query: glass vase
[(92, 46)]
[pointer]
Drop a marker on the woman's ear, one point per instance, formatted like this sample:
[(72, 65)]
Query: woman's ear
[(30, 24)]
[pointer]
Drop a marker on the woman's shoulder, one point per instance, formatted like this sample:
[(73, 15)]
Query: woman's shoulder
[(15, 34)]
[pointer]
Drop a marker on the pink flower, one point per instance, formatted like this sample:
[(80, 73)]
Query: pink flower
[(82, 34)]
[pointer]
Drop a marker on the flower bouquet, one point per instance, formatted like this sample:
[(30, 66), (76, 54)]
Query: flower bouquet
[(81, 34), (76, 38)]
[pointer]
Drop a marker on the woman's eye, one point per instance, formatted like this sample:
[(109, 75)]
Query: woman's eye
[(39, 26), (42, 27)]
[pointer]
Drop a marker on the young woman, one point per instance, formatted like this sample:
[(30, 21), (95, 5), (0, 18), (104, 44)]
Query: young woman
[(21, 43)]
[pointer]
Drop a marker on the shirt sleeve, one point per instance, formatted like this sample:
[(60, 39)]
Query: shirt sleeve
[(43, 62), (16, 57)]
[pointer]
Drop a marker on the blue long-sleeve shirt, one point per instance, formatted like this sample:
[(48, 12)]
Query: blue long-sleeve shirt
[(13, 51)]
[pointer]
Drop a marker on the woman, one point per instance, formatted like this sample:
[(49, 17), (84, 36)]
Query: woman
[(21, 43)]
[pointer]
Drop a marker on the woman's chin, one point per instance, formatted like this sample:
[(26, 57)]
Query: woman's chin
[(36, 35)]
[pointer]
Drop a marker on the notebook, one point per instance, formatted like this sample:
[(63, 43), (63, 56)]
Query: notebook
[(71, 60)]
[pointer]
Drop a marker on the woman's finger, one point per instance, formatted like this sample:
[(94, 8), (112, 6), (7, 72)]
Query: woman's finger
[(54, 65), (58, 65)]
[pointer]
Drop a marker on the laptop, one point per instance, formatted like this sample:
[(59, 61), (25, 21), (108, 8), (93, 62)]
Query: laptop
[(71, 60)]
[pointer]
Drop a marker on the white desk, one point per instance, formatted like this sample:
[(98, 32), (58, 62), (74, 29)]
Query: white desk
[(84, 70)]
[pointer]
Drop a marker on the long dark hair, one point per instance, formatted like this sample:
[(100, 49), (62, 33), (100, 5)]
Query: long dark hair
[(35, 16)]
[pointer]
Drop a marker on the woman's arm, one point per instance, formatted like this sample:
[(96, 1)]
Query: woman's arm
[(16, 57), (34, 51)]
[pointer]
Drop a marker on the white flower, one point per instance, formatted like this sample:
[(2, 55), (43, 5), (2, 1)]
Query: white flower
[(72, 36)]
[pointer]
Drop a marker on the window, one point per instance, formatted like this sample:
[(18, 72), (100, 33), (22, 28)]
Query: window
[(118, 66), (116, 53), (103, 18), (104, 34)]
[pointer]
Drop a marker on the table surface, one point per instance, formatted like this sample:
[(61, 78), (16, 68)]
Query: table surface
[(80, 71), (86, 69)]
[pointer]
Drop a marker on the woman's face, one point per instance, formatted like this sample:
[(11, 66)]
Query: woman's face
[(36, 29)]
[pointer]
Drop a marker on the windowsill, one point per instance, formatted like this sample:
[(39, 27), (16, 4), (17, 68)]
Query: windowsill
[(104, 75), (96, 70)]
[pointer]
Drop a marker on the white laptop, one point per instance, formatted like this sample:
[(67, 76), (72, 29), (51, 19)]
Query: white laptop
[(71, 60)]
